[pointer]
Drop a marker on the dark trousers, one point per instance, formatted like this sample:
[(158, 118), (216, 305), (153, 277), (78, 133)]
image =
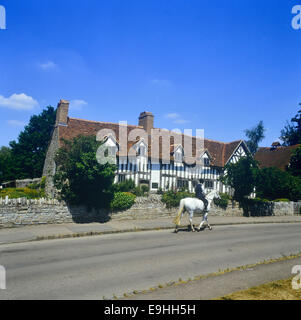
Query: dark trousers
[(205, 201)]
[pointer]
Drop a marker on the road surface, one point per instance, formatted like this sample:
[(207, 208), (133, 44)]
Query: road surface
[(107, 265)]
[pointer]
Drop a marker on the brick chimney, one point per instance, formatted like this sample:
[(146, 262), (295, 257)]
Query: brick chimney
[(62, 112), (146, 120)]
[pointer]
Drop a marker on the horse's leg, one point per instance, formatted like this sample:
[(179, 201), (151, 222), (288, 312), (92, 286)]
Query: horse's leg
[(190, 219), (202, 223), (206, 218)]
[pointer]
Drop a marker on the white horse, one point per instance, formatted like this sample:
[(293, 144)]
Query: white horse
[(195, 205)]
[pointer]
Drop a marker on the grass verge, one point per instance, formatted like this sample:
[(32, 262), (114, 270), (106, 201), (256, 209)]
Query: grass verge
[(220, 272), (276, 290)]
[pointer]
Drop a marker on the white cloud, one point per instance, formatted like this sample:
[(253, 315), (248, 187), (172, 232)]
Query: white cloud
[(77, 104), (176, 118), (172, 116), (18, 102), (48, 65), (16, 123)]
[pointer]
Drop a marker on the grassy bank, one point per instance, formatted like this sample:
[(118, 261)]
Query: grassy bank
[(276, 290)]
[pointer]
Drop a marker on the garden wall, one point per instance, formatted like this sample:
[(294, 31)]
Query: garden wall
[(16, 212)]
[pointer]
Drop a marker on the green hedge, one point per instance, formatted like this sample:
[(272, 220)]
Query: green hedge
[(14, 193), (122, 201), (129, 186), (223, 201)]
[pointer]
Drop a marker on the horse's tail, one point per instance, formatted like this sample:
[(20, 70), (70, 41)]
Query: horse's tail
[(178, 217)]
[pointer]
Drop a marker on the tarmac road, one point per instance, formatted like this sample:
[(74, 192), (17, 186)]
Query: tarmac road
[(101, 266)]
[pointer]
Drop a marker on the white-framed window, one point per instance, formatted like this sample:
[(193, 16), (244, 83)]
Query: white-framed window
[(178, 156), (206, 162), (121, 177), (208, 184), (182, 184)]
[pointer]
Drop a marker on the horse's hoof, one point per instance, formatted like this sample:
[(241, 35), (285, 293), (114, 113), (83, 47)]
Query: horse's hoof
[(176, 230), (210, 228)]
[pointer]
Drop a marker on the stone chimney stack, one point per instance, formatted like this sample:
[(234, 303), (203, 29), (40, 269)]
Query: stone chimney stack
[(146, 120), (62, 112)]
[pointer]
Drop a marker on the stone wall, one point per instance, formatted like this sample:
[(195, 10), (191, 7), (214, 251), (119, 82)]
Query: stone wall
[(16, 212)]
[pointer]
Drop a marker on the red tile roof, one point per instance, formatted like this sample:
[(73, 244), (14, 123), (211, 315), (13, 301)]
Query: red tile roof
[(219, 151), (275, 157)]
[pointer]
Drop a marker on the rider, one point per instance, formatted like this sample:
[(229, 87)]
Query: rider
[(200, 193)]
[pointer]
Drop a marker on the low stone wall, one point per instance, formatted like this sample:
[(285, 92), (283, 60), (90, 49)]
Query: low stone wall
[(271, 208), (16, 212)]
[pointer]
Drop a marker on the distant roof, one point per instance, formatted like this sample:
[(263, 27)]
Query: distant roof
[(275, 157), (219, 151), (276, 144)]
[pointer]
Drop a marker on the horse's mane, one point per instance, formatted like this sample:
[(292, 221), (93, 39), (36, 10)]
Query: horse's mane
[(211, 192)]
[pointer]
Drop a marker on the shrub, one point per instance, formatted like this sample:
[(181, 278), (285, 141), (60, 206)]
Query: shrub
[(272, 183), (144, 189), (223, 201), (282, 200), (160, 191), (80, 178), (125, 186), (172, 198), (141, 191), (122, 201), (39, 186), (257, 207), (258, 200), (137, 192), (14, 193)]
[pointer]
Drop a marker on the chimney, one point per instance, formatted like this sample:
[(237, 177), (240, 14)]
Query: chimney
[(146, 120), (275, 145), (62, 113)]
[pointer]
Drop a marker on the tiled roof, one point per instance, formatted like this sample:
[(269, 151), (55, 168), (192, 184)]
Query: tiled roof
[(275, 157), (219, 151)]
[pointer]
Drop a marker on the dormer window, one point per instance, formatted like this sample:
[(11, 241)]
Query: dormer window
[(178, 156), (110, 151), (206, 162)]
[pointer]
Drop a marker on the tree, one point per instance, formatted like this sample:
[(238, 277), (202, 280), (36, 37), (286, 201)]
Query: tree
[(28, 154), (241, 177), (295, 163), (80, 179), (273, 183), (6, 165), (255, 135), (291, 134)]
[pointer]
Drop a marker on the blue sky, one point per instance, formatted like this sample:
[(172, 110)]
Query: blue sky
[(221, 66)]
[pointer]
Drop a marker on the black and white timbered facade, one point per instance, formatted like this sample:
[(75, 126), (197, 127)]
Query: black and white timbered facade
[(156, 173)]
